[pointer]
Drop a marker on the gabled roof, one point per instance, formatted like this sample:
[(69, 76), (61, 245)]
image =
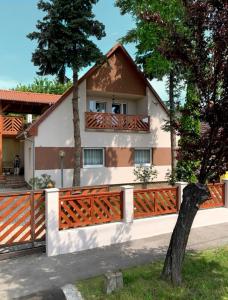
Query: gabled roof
[(32, 130), (8, 95)]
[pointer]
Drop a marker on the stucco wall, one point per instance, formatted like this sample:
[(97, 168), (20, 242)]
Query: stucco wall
[(100, 176)]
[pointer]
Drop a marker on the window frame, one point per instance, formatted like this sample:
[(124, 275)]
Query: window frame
[(97, 102), (93, 166), (123, 109), (121, 104), (143, 164), (105, 105)]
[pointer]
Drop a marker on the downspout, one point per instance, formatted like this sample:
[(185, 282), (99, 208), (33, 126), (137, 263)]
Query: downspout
[(33, 159)]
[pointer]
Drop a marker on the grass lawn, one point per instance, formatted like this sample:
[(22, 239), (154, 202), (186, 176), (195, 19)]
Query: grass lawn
[(205, 278)]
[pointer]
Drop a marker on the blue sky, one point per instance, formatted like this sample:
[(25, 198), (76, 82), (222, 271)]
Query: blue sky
[(19, 17)]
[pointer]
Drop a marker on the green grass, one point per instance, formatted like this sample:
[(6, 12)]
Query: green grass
[(205, 277)]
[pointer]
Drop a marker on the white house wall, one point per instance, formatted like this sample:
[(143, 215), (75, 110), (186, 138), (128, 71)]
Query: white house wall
[(101, 176), (57, 131)]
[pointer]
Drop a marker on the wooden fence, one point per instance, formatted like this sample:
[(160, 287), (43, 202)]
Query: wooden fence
[(12, 125), (22, 218), (22, 215), (217, 199), (83, 190), (91, 209), (117, 121), (154, 202)]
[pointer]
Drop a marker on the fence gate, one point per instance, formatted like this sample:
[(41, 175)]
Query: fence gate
[(22, 223)]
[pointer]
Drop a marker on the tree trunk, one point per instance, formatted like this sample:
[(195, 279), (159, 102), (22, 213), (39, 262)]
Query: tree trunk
[(193, 196), (77, 135), (172, 117)]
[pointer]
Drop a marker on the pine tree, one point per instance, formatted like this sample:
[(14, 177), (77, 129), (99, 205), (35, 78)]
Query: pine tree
[(64, 41)]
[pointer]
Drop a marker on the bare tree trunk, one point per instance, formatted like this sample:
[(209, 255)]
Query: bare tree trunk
[(172, 117), (77, 135), (193, 196)]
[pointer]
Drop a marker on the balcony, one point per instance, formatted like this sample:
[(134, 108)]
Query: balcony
[(11, 126), (109, 121)]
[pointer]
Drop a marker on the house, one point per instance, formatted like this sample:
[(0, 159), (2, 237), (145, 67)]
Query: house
[(16, 110), (121, 118)]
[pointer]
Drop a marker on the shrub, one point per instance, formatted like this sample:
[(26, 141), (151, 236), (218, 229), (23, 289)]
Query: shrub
[(145, 174), (42, 182)]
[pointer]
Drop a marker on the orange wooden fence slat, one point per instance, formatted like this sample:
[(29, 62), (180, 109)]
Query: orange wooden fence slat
[(217, 196), (151, 202), (117, 121), (90, 209), (21, 215)]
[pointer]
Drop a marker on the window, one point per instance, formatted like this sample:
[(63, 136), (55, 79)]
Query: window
[(95, 106), (116, 108), (124, 109), (93, 157), (100, 107), (142, 157)]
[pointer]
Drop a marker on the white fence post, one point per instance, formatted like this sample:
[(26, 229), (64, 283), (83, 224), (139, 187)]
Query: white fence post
[(181, 186), (225, 180), (52, 220), (128, 203)]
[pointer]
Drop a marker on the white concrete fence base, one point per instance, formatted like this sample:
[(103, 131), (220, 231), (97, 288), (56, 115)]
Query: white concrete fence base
[(83, 238)]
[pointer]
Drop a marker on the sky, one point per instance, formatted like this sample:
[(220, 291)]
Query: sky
[(19, 17)]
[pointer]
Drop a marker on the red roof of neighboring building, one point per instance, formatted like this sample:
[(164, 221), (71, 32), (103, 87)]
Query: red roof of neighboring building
[(28, 97)]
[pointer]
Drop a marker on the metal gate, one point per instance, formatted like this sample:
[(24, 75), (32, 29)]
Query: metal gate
[(22, 223)]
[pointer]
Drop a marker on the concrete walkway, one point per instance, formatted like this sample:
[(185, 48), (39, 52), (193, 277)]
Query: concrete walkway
[(26, 275)]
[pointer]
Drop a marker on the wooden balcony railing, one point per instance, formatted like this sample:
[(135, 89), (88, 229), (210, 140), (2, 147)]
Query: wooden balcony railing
[(12, 125), (95, 120)]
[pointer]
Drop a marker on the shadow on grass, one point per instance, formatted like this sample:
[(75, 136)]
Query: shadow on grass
[(205, 276)]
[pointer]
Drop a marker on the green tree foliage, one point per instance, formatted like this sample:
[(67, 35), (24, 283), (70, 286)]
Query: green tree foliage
[(189, 130), (44, 85), (64, 41), (149, 37), (197, 41), (200, 44)]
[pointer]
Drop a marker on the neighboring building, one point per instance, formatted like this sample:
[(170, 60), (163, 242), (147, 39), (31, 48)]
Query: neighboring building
[(14, 108), (121, 118)]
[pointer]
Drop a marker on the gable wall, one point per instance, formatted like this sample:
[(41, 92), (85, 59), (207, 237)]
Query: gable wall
[(56, 133), (117, 75)]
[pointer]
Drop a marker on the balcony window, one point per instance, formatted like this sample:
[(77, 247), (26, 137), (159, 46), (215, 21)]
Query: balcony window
[(143, 157), (119, 108), (93, 157), (95, 106)]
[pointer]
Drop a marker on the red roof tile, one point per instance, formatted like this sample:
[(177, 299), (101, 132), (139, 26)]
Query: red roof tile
[(28, 97)]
